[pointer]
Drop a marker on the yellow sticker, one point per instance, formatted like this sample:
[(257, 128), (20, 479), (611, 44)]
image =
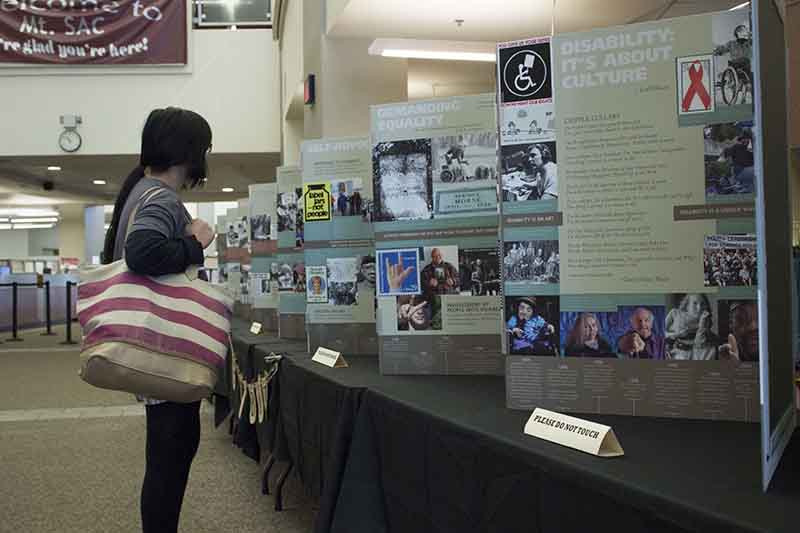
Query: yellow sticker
[(317, 202)]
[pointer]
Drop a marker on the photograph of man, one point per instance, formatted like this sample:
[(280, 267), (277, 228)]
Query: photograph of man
[(734, 48), (641, 341), (417, 313), (287, 211), (739, 326), (260, 227), (366, 273), (530, 172), (532, 325), (439, 276), (586, 340), (729, 158)]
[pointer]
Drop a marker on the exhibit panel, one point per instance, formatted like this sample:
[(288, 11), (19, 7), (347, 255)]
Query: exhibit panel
[(264, 245), (630, 256), (434, 171), (288, 270), (339, 245)]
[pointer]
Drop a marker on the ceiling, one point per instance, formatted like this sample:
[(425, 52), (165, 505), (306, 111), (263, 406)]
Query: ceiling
[(504, 20), (22, 178)]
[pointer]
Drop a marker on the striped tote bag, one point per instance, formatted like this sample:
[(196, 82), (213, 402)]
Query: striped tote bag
[(163, 337)]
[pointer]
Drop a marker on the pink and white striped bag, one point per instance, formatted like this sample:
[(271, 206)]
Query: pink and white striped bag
[(162, 337)]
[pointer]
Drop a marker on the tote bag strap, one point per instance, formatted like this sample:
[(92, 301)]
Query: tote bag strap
[(146, 196)]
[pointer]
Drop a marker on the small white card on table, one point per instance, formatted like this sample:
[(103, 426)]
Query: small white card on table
[(582, 435), (255, 329), (329, 358)]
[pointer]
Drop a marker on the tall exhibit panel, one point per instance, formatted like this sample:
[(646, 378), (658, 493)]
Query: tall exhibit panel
[(630, 256), (288, 271), (339, 245), (264, 247), (436, 236)]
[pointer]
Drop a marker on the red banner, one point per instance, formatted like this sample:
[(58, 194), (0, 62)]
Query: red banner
[(93, 32)]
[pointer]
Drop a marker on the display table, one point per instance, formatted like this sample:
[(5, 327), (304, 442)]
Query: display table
[(438, 453), (433, 454)]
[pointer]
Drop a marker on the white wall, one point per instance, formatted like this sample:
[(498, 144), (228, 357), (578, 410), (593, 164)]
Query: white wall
[(39, 239), (72, 238), (233, 85), (14, 244)]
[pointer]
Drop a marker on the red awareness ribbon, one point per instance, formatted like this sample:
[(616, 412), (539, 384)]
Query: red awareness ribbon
[(696, 88)]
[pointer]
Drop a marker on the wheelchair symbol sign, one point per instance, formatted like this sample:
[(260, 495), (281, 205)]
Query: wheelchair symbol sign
[(525, 75)]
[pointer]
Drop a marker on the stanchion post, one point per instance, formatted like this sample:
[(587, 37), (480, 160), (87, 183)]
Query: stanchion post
[(47, 314), (14, 310), (69, 314)]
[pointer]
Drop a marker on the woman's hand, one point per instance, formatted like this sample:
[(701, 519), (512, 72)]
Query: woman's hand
[(201, 231)]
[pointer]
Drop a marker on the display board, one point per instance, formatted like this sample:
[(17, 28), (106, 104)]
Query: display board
[(264, 247), (630, 257), (237, 237), (774, 204), (436, 222), (339, 245), (288, 270)]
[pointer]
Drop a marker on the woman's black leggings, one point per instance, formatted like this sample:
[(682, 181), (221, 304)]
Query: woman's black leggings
[(173, 435)]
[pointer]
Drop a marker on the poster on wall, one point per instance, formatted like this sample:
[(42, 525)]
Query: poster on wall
[(434, 171), (628, 232), (264, 247), (287, 267), (339, 245), (124, 32)]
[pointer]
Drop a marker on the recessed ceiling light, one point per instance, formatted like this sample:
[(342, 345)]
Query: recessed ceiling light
[(99, 182), (54, 168), (227, 189)]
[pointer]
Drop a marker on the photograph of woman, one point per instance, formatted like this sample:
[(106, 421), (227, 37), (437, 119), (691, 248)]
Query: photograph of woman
[(585, 339)]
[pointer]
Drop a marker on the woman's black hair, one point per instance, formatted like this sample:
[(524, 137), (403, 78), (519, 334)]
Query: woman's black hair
[(170, 137)]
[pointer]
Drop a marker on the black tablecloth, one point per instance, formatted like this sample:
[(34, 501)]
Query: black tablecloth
[(443, 454), (317, 417)]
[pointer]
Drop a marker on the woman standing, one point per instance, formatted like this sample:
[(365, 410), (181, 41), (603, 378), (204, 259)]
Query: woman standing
[(160, 239)]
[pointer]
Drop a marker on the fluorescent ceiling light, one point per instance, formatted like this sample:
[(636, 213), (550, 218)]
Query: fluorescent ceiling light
[(54, 168), (227, 189), (3, 219), (5, 226), (23, 212), (740, 6), (33, 220), (445, 50), (33, 226), (99, 182)]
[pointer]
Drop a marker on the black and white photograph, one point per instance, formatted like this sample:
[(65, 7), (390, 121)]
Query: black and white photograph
[(343, 280), (419, 313), (260, 227), (529, 172), (730, 260), (465, 160), (238, 235), (536, 262), (524, 71), (479, 269), (729, 161), (367, 273), (527, 123), (403, 183), (288, 210), (287, 278), (347, 197), (733, 54)]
